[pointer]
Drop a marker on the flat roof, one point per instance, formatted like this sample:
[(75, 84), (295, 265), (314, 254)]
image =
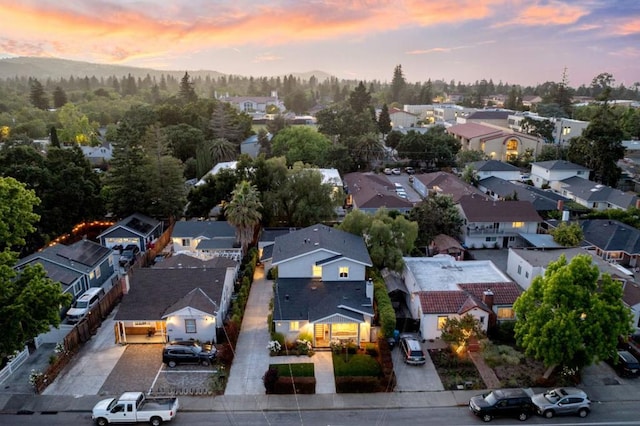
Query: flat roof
[(443, 272)]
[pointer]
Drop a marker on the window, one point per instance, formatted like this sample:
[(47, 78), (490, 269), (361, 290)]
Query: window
[(97, 271), (490, 239), (190, 326), (110, 261), (526, 274), (441, 322), (506, 313), (344, 272), (294, 325), (512, 238), (519, 269), (517, 224), (512, 144), (186, 242), (92, 275), (317, 271)]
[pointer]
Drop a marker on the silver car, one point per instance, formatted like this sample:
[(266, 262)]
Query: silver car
[(562, 401)]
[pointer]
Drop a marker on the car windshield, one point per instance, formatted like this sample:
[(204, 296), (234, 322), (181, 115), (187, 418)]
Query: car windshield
[(127, 253), (81, 304), (490, 398), (551, 396)]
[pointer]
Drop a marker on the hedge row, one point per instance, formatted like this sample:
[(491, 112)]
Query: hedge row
[(386, 314)]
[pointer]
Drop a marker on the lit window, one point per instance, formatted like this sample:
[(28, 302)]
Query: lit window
[(517, 224), (186, 242), (92, 275), (294, 326), (512, 144), (190, 326), (344, 272), (317, 271), (506, 313), (441, 322)]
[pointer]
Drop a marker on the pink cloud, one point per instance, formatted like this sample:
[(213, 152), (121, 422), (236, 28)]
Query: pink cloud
[(549, 13)]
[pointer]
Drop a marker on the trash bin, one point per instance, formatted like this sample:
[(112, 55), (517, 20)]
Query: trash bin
[(391, 342)]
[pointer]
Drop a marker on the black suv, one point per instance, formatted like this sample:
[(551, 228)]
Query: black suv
[(192, 353), (625, 364), (502, 403)]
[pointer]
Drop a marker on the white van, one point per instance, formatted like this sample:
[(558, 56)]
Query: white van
[(84, 304)]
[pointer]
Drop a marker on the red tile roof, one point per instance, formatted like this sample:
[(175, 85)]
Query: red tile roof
[(504, 293), (468, 297)]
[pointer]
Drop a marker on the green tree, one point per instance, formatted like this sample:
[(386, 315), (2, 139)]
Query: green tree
[(76, 128), (187, 93), (17, 216), (568, 235), (435, 215), (59, 97), (37, 96), (360, 98), (301, 144), (388, 237), (457, 332), (398, 84), (183, 140), (384, 120), (211, 152), (541, 128), (243, 213), (571, 316), (227, 123), (29, 304)]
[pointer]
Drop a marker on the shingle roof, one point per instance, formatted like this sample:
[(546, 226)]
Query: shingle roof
[(448, 184), (153, 292), (494, 166), (611, 235), (489, 115), (137, 224), (448, 302), (559, 165), (203, 228), (82, 256), (541, 200), (371, 191), (593, 192), (311, 299), (320, 238), (196, 299), (182, 260), (478, 210)]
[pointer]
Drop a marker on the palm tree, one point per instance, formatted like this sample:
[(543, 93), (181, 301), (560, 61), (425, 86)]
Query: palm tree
[(242, 212)]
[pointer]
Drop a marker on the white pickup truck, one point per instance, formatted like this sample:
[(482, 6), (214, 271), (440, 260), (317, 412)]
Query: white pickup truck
[(133, 407)]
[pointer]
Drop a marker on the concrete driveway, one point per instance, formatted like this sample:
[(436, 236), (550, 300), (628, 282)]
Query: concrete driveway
[(415, 378)]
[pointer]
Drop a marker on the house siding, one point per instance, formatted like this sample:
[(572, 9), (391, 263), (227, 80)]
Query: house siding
[(331, 271), (205, 325), (429, 322)]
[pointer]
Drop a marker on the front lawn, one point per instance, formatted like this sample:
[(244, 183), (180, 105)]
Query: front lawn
[(305, 369), (345, 365)]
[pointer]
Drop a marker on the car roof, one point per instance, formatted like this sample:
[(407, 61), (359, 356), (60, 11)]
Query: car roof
[(565, 391), (627, 356), (510, 393)]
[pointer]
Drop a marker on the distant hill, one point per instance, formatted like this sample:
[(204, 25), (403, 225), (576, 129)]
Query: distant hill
[(55, 69)]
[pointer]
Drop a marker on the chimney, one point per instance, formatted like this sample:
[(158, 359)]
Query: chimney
[(369, 290), (487, 298), (560, 205)]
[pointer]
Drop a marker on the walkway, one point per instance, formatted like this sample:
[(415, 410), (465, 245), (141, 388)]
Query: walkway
[(488, 376)]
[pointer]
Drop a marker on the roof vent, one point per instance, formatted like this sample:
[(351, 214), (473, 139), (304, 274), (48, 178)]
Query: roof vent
[(286, 297)]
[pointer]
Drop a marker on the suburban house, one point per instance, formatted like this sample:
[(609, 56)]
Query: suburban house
[(205, 239), (77, 267), (495, 168), (496, 223), (174, 304), (523, 265), (182, 261), (98, 155), (494, 117), (440, 287), (266, 242), (543, 201), (544, 173), (369, 192), (321, 290), (594, 196), (255, 104), (498, 144), (612, 240), (136, 229), (443, 183), (400, 118)]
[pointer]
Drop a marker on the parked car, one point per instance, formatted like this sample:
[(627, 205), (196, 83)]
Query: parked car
[(396, 171), (206, 346), (412, 352), (128, 255), (625, 364), (173, 355), (409, 170), (562, 401), (387, 171), (135, 407), (83, 304), (502, 403)]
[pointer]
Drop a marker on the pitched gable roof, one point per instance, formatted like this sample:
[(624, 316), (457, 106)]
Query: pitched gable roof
[(203, 228), (593, 192), (320, 237), (504, 293), (541, 200), (611, 235), (181, 260), (82, 256), (154, 291), (196, 299), (494, 166), (448, 184), (448, 302), (478, 210), (559, 165), (372, 191), (136, 223)]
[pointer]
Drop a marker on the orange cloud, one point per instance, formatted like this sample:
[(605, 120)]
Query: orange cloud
[(551, 13), (267, 57), (628, 28)]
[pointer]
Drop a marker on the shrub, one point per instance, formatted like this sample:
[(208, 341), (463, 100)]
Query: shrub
[(298, 385), (386, 314), (274, 347), (357, 384), (269, 379), (303, 346), (305, 369), (371, 349), (355, 365)]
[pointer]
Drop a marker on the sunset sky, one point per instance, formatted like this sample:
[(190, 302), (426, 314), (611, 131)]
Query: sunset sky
[(513, 41)]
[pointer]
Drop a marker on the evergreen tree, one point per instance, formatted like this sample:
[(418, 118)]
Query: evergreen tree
[(397, 84), (53, 135), (38, 97), (359, 98), (187, 93), (384, 120), (59, 97)]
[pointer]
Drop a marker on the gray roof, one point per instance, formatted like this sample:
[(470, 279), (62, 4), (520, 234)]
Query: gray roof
[(270, 234), (155, 292), (540, 200), (321, 238), (298, 299), (371, 191), (182, 260), (196, 299), (593, 192), (559, 165), (494, 166), (489, 115), (137, 224), (82, 256), (218, 244), (611, 235), (203, 228), (481, 210)]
